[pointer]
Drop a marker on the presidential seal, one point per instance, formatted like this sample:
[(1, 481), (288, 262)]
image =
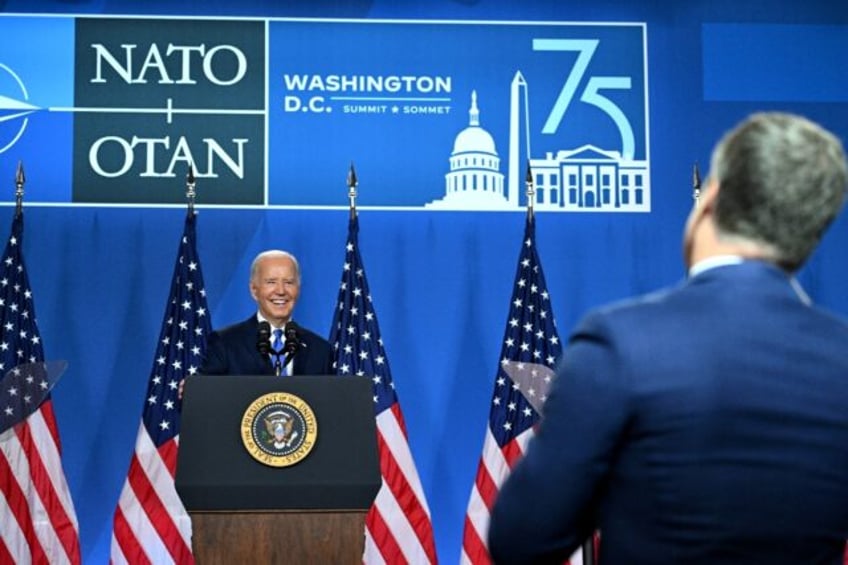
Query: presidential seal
[(279, 429)]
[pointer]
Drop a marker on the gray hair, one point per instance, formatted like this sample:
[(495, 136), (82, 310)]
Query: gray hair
[(274, 253), (782, 180)]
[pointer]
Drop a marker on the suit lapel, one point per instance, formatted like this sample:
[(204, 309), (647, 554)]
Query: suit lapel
[(256, 364)]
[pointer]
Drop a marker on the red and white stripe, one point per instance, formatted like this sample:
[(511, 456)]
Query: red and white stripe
[(151, 524), (398, 526), (39, 523), (495, 465)]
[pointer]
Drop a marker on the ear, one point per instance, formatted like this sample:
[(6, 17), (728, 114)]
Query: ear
[(705, 206), (701, 210), (252, 290), (709, 195)]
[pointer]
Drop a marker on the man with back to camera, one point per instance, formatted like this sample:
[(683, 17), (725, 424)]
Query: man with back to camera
[(234, 350), (707, 423)]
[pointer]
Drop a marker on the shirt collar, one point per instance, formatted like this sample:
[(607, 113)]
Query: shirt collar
[(713, 262), (724, 260), (261, 318)]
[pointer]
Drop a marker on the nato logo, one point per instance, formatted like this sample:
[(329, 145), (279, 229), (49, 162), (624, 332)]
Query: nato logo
[(115, 111), (36, 88), (14, 108), (456, 126)]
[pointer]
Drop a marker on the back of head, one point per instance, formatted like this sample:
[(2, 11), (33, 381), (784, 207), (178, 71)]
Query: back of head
[(782, 180)]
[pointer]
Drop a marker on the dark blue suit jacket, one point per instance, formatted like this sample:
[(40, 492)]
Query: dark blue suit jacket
[(703, 425), (232, 351)]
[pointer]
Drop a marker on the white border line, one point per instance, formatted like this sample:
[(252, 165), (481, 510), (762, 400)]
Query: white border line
[(268, 20)]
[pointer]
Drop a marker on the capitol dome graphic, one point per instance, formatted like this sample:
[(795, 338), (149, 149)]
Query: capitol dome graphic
[(474, 180)]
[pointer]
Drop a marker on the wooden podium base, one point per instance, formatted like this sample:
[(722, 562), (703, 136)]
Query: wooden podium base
[(278, 537)]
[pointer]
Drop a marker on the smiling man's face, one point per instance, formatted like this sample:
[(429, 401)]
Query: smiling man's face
[(275, 287)]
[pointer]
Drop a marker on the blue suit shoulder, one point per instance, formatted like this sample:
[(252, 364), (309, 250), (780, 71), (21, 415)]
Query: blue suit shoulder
[(626, 309), (314, 340), (318, 358)]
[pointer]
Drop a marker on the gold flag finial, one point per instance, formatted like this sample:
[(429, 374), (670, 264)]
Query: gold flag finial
[(351, 189), (191, 192), (20, 180), (696, 183)]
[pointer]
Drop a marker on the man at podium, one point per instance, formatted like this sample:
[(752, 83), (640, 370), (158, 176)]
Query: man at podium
[(287, 468), (269, 342)]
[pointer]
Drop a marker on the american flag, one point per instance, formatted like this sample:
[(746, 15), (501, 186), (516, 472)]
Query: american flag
[(531, 347), (39, 524), (150, 523), (398, 526)]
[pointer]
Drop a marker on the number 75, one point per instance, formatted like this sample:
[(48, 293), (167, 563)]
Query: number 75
[(585, 48)]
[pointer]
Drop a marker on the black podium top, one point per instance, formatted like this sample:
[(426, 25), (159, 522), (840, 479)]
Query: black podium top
[(215, 471)]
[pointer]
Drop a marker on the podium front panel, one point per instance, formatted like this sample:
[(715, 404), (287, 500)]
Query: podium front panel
[(216, 472)]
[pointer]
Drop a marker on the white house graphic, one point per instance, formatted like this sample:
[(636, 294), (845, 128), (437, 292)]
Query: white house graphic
[(585, 179), (589, 179)]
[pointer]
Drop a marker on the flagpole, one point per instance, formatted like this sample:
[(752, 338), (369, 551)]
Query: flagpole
[(588, 546), (181, 346), (20, 180), (351, 190), (696, 183), (191, 193), (359, 350), (531, 192), (34, 467)]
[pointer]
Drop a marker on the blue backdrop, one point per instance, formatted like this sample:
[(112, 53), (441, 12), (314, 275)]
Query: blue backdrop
[(441, 281)]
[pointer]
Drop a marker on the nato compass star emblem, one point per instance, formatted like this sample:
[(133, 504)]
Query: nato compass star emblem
[(14, 108)]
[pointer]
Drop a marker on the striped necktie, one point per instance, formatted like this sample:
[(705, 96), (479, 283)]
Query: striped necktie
[(277, 345)]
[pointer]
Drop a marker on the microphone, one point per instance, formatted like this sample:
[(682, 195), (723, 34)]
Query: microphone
[(263, 338), (292, 341)]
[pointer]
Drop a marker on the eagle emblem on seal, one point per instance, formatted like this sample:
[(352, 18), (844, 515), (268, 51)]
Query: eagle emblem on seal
[(280, 426)]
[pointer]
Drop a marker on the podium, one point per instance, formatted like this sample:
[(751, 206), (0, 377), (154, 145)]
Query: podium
[(277, 469)]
